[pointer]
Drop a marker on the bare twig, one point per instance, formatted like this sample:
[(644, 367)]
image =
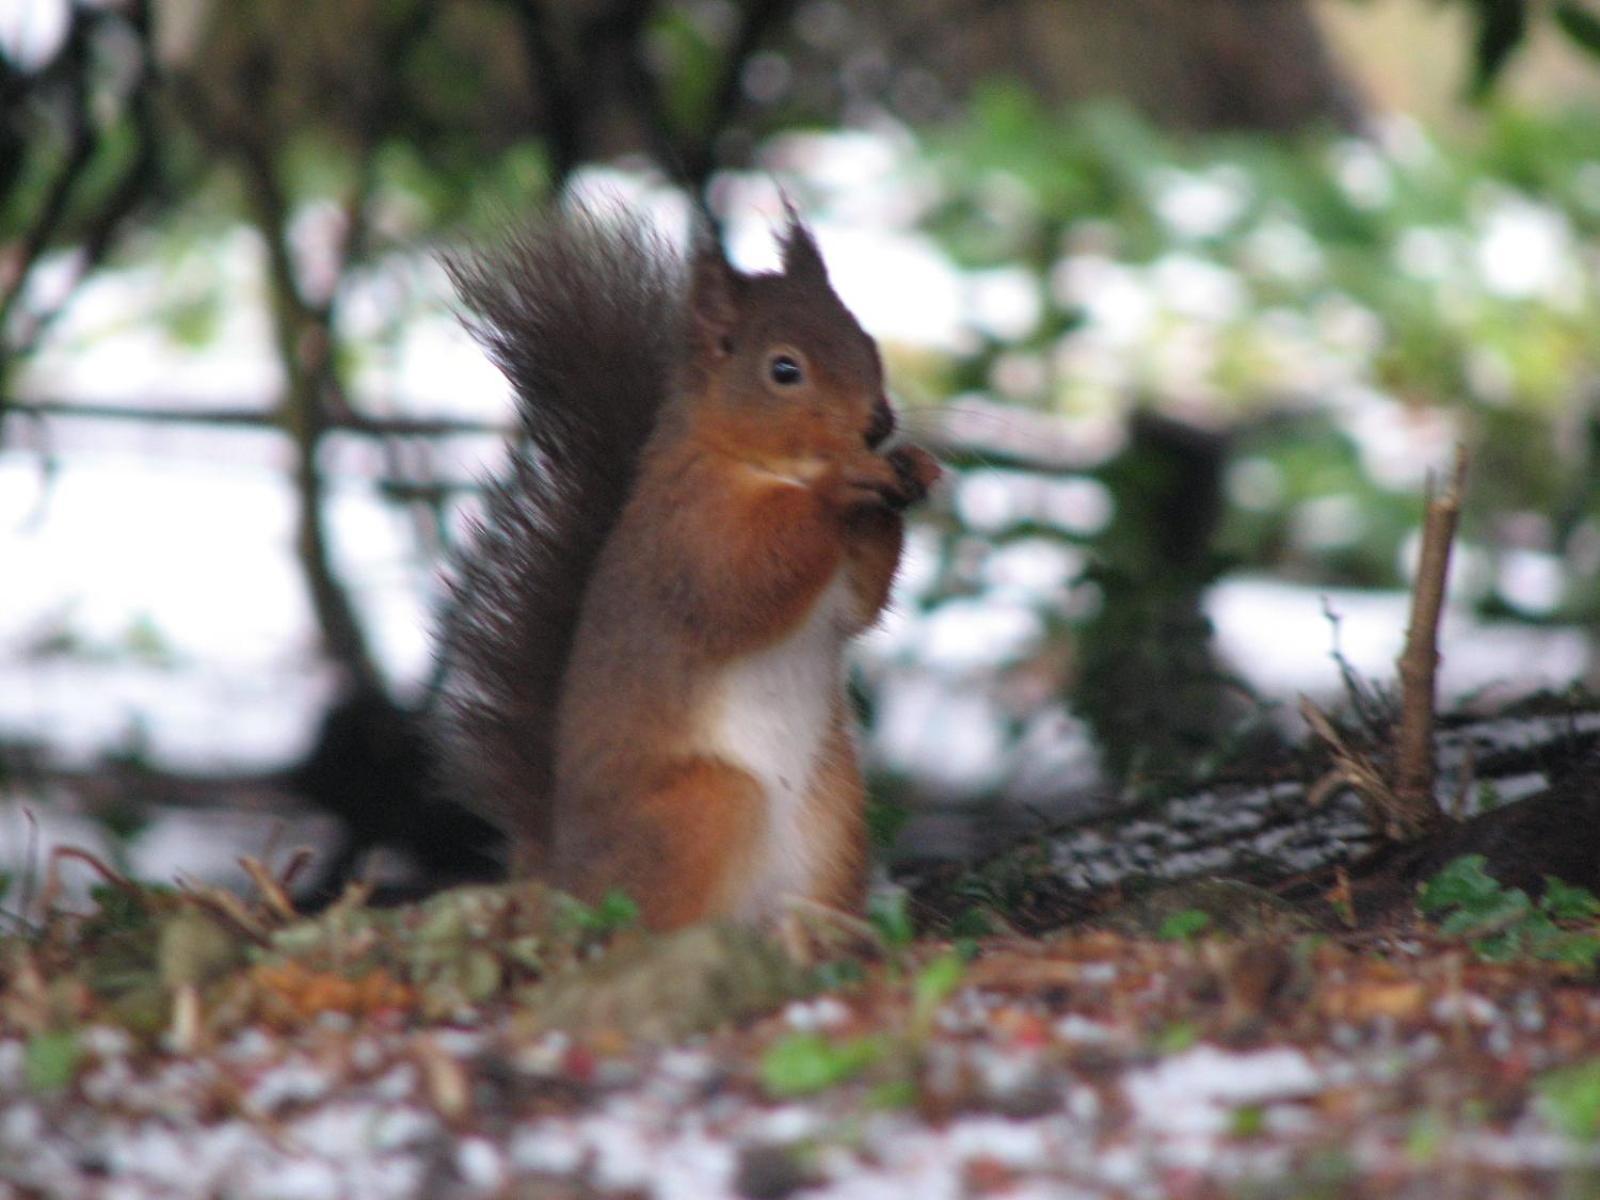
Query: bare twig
[(1418, 663), (1399, 800), (226, 905), (298, 862), (1372, 709)]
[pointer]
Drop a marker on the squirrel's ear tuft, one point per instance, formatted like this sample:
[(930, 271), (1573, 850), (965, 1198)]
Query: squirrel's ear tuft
[(713, 307), (801, 258)]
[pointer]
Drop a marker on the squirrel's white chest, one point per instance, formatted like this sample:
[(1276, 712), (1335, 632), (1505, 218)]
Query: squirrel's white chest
[(773, 716)]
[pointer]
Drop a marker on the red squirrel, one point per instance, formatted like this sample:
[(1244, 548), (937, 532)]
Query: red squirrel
[(646, 665)]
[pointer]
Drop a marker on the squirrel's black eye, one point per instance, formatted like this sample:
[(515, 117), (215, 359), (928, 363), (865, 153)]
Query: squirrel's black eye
[(785, 371)]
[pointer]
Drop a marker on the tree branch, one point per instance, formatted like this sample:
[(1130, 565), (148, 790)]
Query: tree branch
[(565, 120), (18, 263)]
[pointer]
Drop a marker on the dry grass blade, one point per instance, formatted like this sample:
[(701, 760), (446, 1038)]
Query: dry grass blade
[(223, 903), (1353, 768), (50, 893), (272, 893), (298, 862)]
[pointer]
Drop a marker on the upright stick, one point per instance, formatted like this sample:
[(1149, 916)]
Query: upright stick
[(1414, 767)]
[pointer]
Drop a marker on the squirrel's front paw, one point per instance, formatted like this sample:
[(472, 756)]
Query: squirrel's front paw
[(865, 482), (892, 481), (917, 471)]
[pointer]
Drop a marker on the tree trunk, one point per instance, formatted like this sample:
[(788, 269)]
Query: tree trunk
[(1188, 64)]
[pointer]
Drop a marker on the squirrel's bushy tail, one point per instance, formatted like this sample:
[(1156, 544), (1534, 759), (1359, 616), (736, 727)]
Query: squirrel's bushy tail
[(582, 312)]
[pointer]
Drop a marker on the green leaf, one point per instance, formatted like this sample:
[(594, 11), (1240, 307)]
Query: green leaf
[(614, 912), (933, 986), (1425, 1138), (1461, 883), (51, 1060), (890, 914), (895, 1093), (1576, 950), (1567, 903), (971, 922), (1181, 926), (1494, 912), (1177, 1037), (1570, 1098), (803, 1063), (837, 973), (1248, 1120), (1579, 24), (1499, 948), (886, 817)]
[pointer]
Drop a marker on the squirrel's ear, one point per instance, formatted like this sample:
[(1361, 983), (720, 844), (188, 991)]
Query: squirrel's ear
[(713, 306), (801, 258)]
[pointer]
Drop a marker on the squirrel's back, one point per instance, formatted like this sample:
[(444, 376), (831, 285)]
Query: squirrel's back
[(583, 312)]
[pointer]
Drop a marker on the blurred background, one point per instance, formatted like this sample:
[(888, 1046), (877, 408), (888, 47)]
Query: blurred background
[(1192, 295)]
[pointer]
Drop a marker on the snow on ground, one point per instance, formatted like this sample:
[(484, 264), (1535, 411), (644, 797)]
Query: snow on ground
[(1361, 1081)]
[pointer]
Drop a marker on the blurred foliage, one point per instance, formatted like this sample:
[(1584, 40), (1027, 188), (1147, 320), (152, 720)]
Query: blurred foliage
[(1397, 292), (1328, 315)]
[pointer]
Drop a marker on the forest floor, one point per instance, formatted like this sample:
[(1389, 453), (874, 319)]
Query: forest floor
[(1279, 1012)]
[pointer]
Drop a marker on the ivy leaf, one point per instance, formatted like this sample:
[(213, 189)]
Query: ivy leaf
[(1567, 903), (1501, 911), (1462, 883), (1575, 950)]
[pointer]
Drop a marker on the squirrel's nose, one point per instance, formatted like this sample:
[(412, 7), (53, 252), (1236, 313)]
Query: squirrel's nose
[(882, 424)]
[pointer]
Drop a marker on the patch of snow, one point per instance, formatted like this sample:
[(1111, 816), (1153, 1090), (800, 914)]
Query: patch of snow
[(293, 1081), (1194, 1092), (481, 1164)]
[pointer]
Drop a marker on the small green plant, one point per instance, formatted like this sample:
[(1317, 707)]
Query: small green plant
[(51, 1060), (890, 914), (1503, 923), (803, 1063), (1426, 1137), (1185, 925), (971, 923), (934, 984), (1248, 1121), (1570, 1098), (1177, 1037), (613, 913), (837, 974), (886, 817)]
